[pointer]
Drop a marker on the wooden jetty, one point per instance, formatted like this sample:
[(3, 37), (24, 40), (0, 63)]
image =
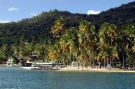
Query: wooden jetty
[(45, 66)]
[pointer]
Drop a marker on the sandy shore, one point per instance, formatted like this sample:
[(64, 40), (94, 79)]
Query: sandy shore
[(89, 69), (3, 65)]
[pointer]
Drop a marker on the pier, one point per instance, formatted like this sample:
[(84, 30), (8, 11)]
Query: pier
[(45, 66)]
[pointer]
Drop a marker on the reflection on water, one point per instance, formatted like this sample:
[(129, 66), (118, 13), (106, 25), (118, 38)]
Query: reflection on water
[(15, 78)]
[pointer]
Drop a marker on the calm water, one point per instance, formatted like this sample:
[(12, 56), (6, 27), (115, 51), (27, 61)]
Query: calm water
[(13, 78)]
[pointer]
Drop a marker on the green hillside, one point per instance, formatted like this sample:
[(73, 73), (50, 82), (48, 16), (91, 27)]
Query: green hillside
[(38, 27), (61, 36)]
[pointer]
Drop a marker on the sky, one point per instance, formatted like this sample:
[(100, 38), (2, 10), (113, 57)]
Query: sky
[(14, 10)]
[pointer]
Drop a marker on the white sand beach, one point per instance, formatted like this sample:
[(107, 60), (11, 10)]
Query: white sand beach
[(89, 69)]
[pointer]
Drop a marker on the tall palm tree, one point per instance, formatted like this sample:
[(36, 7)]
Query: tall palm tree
[(2, 54), (87, 38), (83, 59), (53, 53), (15, 50), (102, 58), (67, 44), (129, 32), (108, 39), (40, 51), (58, 27)]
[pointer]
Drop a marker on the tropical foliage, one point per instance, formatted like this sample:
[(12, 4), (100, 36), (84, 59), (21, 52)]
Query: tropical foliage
[(86, 45), (60, 36)]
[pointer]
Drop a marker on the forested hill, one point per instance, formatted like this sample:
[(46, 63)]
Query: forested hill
[(119, 15), (37, 29)]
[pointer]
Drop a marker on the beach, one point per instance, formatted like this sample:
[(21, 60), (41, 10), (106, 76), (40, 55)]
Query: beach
[(90, 69), (81, 69)]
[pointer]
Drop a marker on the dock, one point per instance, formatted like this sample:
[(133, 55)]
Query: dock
[(45, 66)]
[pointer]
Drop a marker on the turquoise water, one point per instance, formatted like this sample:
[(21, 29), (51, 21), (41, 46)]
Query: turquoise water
[(14, 78)]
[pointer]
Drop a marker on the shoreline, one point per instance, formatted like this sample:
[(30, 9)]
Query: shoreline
[(89, 69), (82, 69)]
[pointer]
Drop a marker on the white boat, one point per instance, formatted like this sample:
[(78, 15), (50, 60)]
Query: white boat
[(30, 68)]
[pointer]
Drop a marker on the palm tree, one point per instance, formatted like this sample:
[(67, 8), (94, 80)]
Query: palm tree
[(2, 54), (102, 57), (133, 55), (68, 44), (53, 53), (108, 39), (15, 50), (87, 38), (40, 51), (63, 45), (129, 33), (83, 59), (58, 27)]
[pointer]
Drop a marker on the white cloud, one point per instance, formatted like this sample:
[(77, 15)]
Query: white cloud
[(13, 9), (4, 21), (34, 13), (92, 12)]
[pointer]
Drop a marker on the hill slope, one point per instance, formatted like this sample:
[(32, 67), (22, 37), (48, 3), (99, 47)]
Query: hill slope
[(37, 29), (120, 15)]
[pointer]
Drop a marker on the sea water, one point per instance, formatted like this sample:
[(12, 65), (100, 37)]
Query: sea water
[(16, 78)]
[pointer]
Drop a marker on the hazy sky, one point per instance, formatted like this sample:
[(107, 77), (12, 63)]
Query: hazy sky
[(13, 10)]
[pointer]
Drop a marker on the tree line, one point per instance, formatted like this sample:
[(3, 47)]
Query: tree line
[(87, 45)]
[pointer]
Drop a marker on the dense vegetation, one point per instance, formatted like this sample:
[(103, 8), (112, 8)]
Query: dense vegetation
[(107, 38)]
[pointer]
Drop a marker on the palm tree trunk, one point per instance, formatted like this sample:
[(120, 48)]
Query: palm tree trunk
[(104, 63), (110, 61), (123, 61)]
